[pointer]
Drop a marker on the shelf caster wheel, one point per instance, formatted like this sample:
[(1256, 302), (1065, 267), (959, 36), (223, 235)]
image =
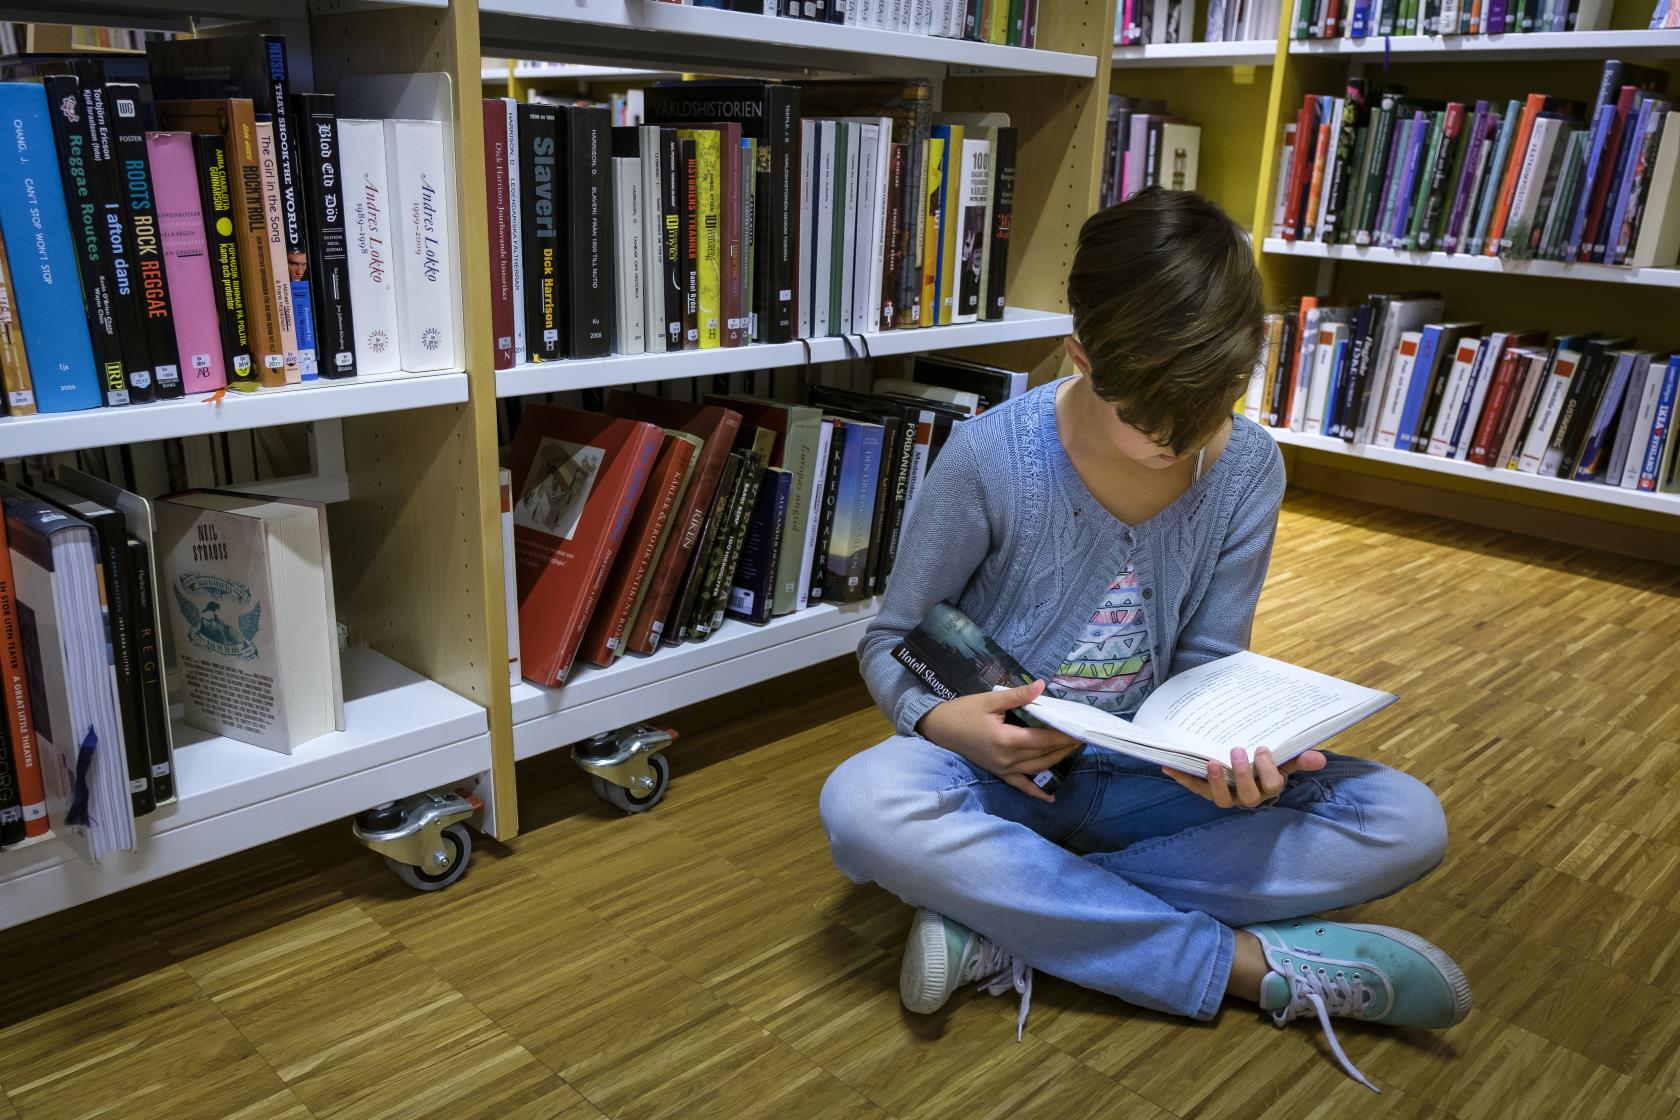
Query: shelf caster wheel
[(636, 801), (453, 852)]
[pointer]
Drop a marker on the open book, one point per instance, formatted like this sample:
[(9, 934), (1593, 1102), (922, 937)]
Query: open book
[(1245, 700)]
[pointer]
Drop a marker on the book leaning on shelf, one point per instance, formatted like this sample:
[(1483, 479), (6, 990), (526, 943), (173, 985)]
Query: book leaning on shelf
[(1393, 373), (1543, 178)]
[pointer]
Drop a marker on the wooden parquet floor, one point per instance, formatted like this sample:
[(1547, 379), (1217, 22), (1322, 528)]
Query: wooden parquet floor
[(707, 961)]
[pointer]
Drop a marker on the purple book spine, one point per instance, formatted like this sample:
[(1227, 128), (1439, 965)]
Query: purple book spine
[(1408, 182), (1379, 235), (1467, 175), (1493, 23)]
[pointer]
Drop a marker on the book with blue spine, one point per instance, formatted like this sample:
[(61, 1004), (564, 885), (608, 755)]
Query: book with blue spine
[(38, 243), (1417, 389), (845, 570), (1655, 449)]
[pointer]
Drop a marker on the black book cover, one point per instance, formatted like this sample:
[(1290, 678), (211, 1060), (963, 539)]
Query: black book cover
[(727, 548), (825, 517), (11, 800), (992, 384), (589, 236), (1341, 416), (1366, 371), (1280, 382), (154, 700), (682, 604), (671, 235), (134, 176), (690, 266), (1003, 209), (84, 199), (892, 476), (754, 589), (127, 305), (1341, 167), (1597, 363), (117, 577), (314, 116), (216, 196), (767, 112), (540, 191)]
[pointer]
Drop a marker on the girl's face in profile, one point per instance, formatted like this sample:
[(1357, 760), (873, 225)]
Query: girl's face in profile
[(1105, 420)]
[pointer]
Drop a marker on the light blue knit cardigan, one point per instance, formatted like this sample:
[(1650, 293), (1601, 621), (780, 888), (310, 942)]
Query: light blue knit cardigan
[(1003, 528)]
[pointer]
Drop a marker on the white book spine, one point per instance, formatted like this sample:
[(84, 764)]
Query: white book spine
[(864, 248), (878, 242), (1487, 364), (848, 227), (1330, 157), (1399, 380), (1448, 23), (1552, 395), (510, 584), (973, 186), (1324, 365), (653, 242), (1304, 366), (415, 162), (368, 215), (516, 236), (824, 235), (1257, 379), (1279, 203), (629, 312), (808, 133), (813, 521), (1644, 420), (1452, 399)]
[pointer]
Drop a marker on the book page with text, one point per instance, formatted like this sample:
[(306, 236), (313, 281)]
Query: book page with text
[(1250, 700)]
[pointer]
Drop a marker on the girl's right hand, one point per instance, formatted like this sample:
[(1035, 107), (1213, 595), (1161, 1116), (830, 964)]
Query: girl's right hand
[(974, 727)]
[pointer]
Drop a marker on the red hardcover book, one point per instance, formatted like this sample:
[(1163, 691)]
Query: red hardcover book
[(717, 427), (578, 476), (1306, 135), (644, 541), (496, 202), (1530, 372), (1498, 402), (20, 732)]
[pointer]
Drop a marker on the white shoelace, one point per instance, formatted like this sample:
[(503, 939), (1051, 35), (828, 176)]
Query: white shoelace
[(999, 972), (1325, 995)]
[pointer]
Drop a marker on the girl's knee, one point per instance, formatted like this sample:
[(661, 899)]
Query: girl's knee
[(875, 796), (1407, 817)]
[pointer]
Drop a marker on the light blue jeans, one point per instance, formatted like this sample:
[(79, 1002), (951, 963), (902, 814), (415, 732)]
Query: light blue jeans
[(1129, 884)]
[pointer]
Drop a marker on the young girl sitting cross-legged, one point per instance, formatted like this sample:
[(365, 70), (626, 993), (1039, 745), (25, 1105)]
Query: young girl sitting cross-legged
[(1110, 530)]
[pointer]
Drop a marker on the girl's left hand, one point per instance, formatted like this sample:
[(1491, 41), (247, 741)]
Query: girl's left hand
[(1255, 783)]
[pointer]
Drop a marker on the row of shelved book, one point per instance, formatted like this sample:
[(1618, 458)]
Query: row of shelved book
[(1362, 19), (1392, 372), (1543, 178), (89, 572), (1138, 22), (1146, 146), (730, 218), (1011, 23), (650, 520), (251, 239)]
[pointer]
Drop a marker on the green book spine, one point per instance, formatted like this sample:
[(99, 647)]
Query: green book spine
[(799, 455), (1381, 131), (1420, 194), (1349, 217)]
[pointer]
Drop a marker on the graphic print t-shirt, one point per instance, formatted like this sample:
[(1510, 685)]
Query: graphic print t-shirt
[(1110, 666)]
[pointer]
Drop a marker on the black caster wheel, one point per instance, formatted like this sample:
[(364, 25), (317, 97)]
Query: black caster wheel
[(457, 843), (632, 802)]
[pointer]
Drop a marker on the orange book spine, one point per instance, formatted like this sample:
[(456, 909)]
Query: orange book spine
[(1316, 190), (1513, 171)]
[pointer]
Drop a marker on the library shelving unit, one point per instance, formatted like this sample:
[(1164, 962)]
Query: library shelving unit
[(415, 539), (1635, 302), (1054, 94)]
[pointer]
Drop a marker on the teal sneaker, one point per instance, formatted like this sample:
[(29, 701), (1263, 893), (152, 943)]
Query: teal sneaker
[(941, 956), (1376, 974)]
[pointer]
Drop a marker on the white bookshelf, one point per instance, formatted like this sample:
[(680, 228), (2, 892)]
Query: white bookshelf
[(176, 15), (45, 433), (552, 71), (712, 40), (1463, 262), (1521, 480), (403, 733), (1255, 52), (1018, 324), (1537, 46), (634, 689)]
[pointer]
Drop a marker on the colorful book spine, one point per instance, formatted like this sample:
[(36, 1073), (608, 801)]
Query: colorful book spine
[(268, 161), (140, 214), (216, 199), (186, 258), (1651, 461), (41, 252)]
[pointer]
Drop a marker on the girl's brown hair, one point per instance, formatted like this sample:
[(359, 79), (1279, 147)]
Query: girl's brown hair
[(1166, 300)]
